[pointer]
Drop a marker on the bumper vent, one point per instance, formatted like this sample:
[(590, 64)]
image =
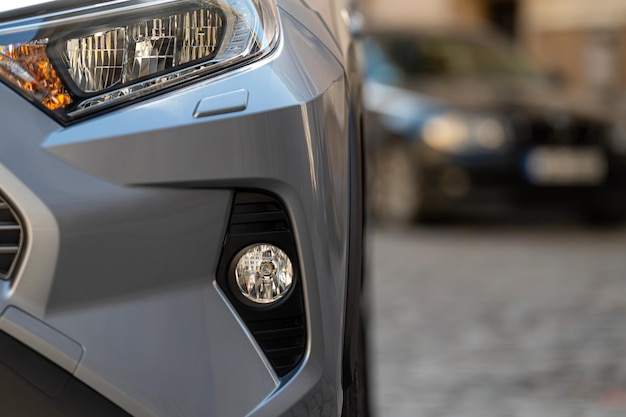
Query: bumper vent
[(11, 239), (257, 213), (280, 329), (282, 340)]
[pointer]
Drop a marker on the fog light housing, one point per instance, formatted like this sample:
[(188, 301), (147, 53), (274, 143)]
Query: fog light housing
[(263, 273)]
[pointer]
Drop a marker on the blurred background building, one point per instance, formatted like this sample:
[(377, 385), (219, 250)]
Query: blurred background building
[(581, 42)]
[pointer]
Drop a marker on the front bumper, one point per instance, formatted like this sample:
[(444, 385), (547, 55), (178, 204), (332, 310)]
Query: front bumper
[(125, 216)]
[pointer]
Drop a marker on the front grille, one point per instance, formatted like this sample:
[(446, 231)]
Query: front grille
[(577, 133), (280, 330), (11, 239)]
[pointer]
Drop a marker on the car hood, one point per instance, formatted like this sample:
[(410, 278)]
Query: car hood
[(404, 109)]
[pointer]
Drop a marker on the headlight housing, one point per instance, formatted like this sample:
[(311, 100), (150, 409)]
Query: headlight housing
[(77, 62), (458, 133)]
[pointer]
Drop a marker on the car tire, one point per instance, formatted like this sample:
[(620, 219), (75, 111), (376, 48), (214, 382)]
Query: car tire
[(356, 396), (396, 192)]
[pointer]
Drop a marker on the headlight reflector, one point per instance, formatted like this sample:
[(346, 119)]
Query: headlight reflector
[(120, 55), (79, 61)]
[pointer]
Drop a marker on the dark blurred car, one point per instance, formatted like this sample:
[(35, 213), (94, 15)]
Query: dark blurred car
[(457, 119)]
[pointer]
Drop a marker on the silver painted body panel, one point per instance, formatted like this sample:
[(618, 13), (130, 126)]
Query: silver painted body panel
[(126, 213)]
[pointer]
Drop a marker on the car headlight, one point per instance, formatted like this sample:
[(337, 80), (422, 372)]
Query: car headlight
[(80, 61), (618, 138), (462, 133)]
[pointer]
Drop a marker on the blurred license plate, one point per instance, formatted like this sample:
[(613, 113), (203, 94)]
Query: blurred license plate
[(552, 165)]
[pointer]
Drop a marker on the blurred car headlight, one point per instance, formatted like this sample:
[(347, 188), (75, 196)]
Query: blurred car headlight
[(618, 138), (80, 61), (462, 133), (448, 132)]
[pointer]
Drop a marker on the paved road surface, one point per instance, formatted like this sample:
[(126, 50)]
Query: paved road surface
[(512, 318)]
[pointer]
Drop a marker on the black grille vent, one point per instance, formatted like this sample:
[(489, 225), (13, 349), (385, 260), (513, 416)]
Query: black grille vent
[(578, 132), (11, 239), (257, 213), (282, 340), (280, 329)]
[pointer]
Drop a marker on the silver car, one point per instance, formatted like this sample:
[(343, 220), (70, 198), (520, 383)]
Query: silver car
[(180, 209)]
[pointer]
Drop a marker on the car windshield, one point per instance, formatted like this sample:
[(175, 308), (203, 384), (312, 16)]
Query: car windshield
[(390, 58)]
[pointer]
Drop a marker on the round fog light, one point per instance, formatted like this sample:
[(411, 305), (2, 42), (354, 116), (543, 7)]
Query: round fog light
[(264, 273)]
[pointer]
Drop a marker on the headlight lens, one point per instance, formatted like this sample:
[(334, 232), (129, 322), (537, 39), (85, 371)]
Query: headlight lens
[(81, 61), (459, 133)]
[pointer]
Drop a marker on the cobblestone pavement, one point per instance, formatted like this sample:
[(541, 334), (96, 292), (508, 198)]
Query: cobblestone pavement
[(514, 319)]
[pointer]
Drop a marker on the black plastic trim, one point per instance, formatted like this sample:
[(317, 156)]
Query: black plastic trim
[(279, 328), (33, 386), (354, 313), (12, 238)]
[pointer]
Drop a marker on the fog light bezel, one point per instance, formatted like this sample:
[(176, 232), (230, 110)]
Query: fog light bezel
[(255, 216)]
